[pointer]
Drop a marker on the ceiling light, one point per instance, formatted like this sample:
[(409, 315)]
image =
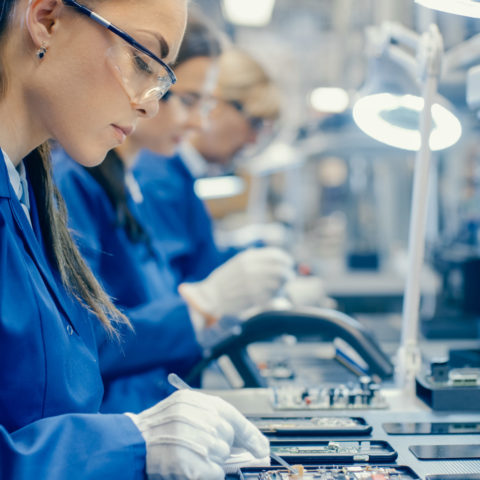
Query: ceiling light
[(329, 100), (252, 13)]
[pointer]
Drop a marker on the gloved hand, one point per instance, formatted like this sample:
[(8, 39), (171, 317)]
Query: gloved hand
[(191, 435), (250, 278), (308, 291)]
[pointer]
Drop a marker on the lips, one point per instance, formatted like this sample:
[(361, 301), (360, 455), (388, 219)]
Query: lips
[(122, 132)]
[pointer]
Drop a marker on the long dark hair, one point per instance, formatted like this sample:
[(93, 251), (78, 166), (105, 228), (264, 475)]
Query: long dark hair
[(64, 256), (110, 174), (200, 40)]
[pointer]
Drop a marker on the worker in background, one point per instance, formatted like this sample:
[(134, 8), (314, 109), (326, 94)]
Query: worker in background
[(66, 77), (245, 105), (245, 98), (105, 213)]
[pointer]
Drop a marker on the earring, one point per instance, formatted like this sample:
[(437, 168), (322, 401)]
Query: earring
[(42, 51)]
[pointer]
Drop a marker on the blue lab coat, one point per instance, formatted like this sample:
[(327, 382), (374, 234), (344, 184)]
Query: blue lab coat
[(137, 278), (50, 384), (179, 217)]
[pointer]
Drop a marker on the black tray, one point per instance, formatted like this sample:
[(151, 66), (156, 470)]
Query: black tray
[(311, 425)]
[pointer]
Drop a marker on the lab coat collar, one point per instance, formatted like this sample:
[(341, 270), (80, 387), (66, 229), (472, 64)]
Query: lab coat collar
[(193, 160), (14, 175), (32, 238)]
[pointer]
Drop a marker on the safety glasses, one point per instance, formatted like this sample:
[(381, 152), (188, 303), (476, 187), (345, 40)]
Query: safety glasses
[(193, 101), (145, 75)]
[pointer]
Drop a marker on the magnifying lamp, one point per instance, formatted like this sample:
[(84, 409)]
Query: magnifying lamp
[(467, 8), (395, 120), (412, 123)]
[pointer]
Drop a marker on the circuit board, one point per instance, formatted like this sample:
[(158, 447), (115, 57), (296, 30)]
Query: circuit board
[(365, 394), (334, 451), (311, 425), (349, 472)]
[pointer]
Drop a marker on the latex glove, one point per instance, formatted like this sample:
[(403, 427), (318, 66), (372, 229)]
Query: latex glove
[(250, 278), (308, 291), (191, 435)]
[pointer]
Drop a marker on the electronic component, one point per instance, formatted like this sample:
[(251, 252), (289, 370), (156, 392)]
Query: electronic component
[(365, 394), (310, 451), (346, 472), (312, 425), (445, 388)]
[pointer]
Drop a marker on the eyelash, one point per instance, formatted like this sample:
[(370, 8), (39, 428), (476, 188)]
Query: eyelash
[(141, 65)]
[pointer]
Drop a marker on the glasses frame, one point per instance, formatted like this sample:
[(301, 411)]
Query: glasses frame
[(257, 123), (122, 34)]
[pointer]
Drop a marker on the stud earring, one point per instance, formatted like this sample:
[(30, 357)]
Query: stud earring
[(42, 51)]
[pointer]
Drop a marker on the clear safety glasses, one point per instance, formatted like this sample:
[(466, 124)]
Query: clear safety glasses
[(191, 101), (144, 75)]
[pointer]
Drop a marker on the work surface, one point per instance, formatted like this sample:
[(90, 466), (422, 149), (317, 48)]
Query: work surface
[(403, 407)]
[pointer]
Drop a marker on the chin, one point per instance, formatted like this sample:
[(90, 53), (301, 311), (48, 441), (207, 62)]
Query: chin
[(91, 159)]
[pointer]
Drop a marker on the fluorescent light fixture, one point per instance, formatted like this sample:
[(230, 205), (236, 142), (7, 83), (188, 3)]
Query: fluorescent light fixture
[(329, 100), (467, 8), (214, 188), (394, 120), (252, 13)]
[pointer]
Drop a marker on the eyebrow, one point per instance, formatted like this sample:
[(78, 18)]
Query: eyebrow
[(164, 48)]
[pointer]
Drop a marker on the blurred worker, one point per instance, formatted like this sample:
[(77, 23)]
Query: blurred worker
[(105, 213), (247, 103), (245, 98), (65, 76)]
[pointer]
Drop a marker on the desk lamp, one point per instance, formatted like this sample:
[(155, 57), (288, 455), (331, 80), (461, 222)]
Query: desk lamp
[(467, 8), (417, 125)]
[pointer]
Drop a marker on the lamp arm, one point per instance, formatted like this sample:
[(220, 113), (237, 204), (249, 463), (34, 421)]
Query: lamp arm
[(409, 359), (462, 55), (398, 33), (404, 59)]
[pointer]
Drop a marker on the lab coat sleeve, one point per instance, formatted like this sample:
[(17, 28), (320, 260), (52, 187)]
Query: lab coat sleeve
[(163, 335), (74, 447)]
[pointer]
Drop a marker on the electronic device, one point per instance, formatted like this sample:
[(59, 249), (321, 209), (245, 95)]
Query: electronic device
[(315, 452), (435, 428), (311, 425), (328, 472), (445, 388), (365, 394), (445, 452)]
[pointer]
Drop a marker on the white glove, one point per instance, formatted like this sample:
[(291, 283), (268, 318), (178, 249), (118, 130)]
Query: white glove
[(308, 291), (191, 435), (250, 278)]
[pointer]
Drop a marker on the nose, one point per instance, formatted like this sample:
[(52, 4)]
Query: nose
[(196, 120), (146, 107), (252, 136)]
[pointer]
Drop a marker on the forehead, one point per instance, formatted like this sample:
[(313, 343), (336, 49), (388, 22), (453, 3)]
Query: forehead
[(193, 74), (148, 20)]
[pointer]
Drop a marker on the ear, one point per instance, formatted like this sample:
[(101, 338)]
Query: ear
[(41, 20)]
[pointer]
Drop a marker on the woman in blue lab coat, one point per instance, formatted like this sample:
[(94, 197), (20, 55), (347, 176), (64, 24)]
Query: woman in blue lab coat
[(128, 258), (246, 99), (64, 76), (104, 209)]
